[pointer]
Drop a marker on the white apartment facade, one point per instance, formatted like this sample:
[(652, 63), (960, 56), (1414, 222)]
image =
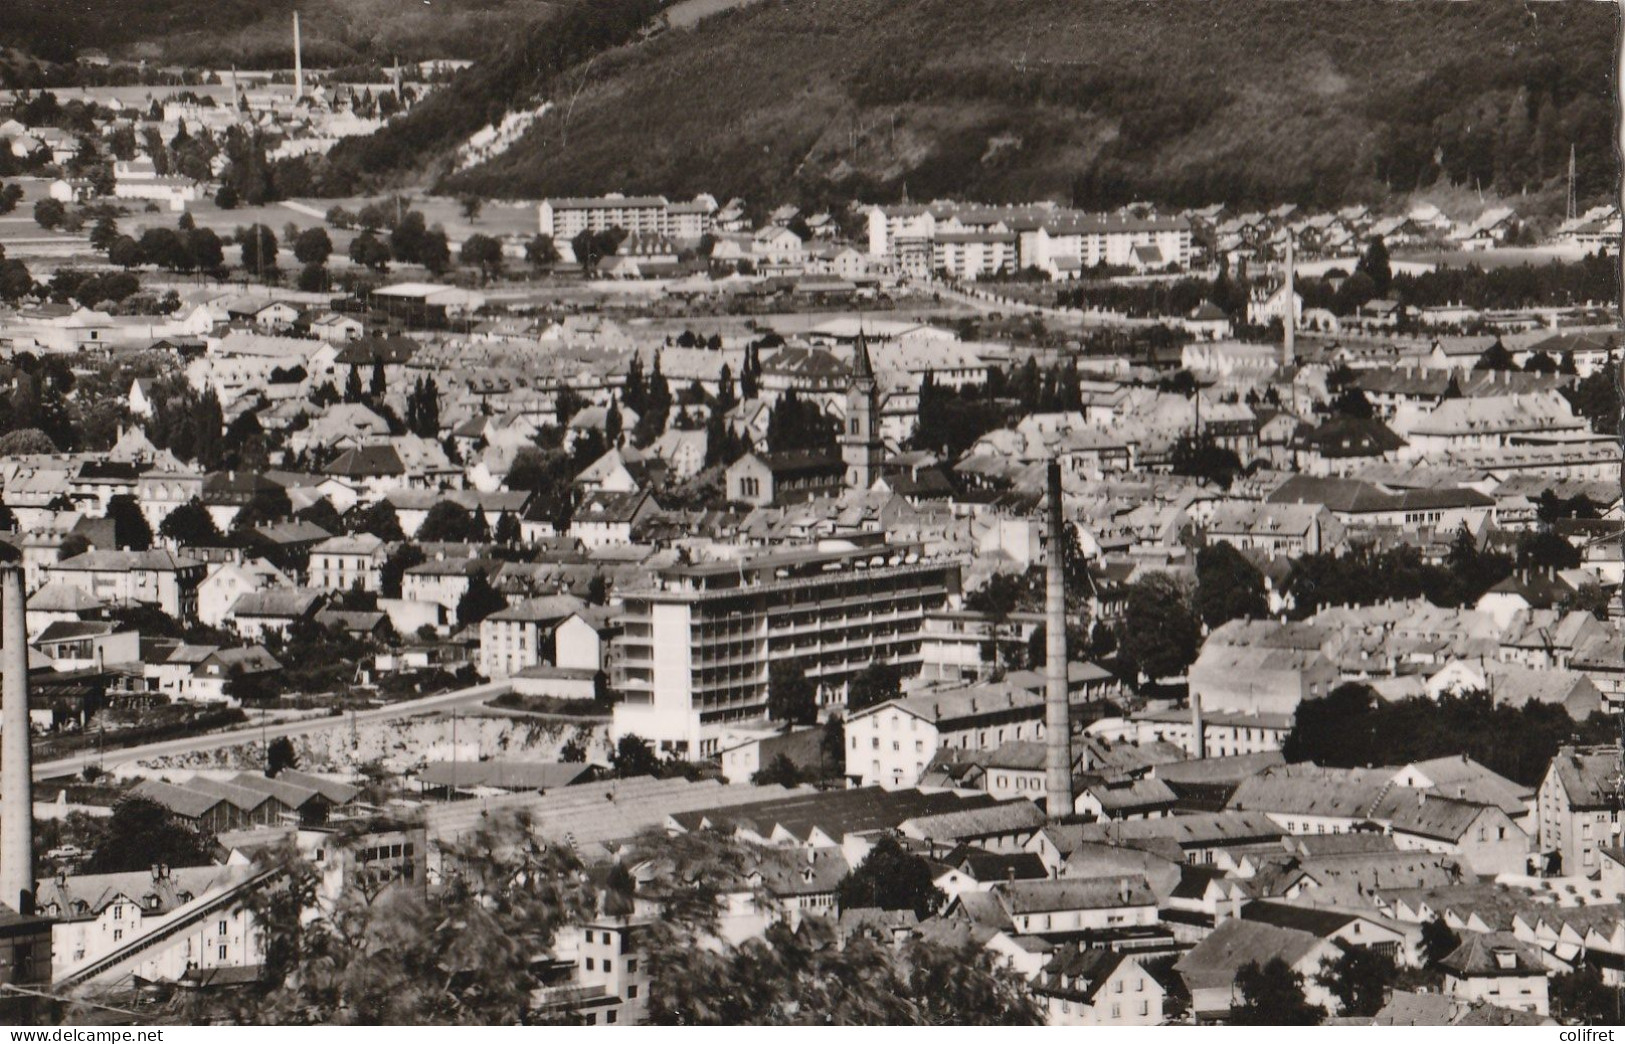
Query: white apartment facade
[(696, 645), (565, 218)]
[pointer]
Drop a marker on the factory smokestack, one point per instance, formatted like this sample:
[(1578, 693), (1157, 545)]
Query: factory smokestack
[(298, 63), (1198, 727), (16, 771), (1290, 322), (1057, 709)]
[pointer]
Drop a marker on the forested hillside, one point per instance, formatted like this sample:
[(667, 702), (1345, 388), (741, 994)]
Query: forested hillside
[(1091, 101), (256, 33), (518, 72)]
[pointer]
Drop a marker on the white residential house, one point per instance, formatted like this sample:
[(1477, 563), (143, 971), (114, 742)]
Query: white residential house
[(228, 581), (347, 562), (889, 745)]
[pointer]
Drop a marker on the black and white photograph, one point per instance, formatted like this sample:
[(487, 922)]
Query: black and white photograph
[(811, 513)]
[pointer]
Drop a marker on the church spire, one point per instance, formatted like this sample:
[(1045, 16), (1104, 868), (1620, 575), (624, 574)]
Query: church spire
[(861, 448), (862, 368)]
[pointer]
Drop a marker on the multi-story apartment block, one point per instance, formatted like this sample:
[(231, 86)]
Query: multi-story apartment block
[(972, 255), (540, 631), (1577, 807), (611, 977), (129, 578), (967, 240), (95, 915), (564, 218), (696, 644)]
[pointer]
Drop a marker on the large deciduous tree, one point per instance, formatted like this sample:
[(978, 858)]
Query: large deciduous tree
[(191, 525), (1228, 587), (1160, 634), (130, 528), (141, 833), (383, 955), (802, 976), (791, 695), (891, 878), (874, 685), (1272, 995)]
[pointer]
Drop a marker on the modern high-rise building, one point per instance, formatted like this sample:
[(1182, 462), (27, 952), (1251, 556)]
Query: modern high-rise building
[(697, 642)]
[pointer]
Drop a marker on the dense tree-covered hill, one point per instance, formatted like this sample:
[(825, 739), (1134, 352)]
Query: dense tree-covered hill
[(1093, 101), (256, 33)]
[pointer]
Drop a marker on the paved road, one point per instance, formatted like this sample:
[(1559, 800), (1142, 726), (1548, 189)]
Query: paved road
[(988, 307), (254, 733)]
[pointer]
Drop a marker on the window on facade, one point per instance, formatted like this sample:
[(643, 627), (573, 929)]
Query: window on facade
[(589, 964), (631, 992), (222, 953), (611, 1016), (118, 933)]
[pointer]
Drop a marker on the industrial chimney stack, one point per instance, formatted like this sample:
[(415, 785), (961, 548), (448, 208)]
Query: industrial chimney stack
[(298, 63), (1290, 322), (1057, 709), (1198, 727), (16, 770)]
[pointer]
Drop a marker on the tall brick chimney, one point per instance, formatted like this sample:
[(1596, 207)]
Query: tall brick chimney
[(16, 768), (1057, 708)]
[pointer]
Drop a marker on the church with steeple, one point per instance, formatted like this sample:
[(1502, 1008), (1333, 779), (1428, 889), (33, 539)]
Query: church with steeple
[(862, 450)]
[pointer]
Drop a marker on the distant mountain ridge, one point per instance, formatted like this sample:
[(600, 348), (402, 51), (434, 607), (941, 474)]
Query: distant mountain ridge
[(256, 33), (1094, 102)]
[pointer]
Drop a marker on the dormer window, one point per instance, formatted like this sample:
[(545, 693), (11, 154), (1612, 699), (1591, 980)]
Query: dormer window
[(1506, 960)]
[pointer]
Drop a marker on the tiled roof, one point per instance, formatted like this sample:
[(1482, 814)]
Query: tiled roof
[(1029, 897), (1215, 960)]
